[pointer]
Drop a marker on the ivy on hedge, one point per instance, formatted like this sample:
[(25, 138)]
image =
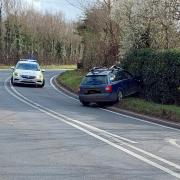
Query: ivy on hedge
[(159, 71)]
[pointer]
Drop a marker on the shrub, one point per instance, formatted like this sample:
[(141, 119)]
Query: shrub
[(160, 73)]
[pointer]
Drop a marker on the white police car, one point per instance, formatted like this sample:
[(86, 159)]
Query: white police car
[(28, 71)]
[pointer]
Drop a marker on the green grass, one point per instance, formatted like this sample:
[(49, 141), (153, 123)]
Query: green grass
[(170, 112), (5, 67), (71, 66), (72, 79)]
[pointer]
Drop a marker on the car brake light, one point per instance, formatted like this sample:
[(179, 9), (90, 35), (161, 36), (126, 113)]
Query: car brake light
[(108, 89), (79, 90)]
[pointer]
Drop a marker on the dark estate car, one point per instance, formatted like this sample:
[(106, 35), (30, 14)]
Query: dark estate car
[(106, 85)]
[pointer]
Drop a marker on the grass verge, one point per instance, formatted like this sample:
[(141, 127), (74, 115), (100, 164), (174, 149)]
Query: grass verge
[(72, 79), (71, 66), (169, 112), (5, 67)]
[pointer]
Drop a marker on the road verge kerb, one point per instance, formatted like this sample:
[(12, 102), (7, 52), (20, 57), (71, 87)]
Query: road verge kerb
[(115, 110)]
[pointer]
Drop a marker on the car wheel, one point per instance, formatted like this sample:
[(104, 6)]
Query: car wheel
[(42, 85), (85, 103), (101, 104), (12, 82), (119, 96)]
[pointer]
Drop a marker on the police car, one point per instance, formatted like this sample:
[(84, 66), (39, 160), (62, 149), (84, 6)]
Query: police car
[(28, 71)]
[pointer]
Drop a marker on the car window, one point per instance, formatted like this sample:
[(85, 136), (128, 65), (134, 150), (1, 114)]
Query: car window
[(28, 66), (94, 80), (120, 75), (127, 75), (112, 77)]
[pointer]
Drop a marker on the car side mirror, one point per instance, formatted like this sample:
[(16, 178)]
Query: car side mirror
[(138, 78), (12, 68), (43, 70)]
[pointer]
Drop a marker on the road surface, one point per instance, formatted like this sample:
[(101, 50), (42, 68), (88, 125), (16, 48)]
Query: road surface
[(45, 134)]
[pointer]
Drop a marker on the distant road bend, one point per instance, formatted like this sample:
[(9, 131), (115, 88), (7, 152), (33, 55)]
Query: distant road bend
[(44, 134)]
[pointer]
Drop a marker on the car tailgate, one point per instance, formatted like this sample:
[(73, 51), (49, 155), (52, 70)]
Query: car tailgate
[(92, 89)]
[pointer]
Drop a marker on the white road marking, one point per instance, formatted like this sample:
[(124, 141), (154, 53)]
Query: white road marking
[(140, 157), (119, 114), (61, 91), (174, 142), (107, 134)]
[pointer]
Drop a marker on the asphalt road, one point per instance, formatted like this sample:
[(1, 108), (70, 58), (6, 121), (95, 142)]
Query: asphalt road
[(44, 134)]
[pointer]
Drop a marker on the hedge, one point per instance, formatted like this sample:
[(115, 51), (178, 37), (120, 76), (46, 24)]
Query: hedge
[(159, 72)]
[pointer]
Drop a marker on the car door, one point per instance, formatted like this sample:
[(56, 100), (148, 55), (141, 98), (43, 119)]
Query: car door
[(120, 82), (132, 83)]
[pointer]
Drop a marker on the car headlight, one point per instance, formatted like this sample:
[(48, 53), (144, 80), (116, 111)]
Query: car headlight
[(16, 74), (39, 76)]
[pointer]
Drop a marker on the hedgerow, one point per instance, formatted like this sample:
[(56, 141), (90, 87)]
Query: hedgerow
[(159, 72)]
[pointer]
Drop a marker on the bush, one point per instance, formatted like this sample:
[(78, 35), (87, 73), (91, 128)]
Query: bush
[(160, 73)]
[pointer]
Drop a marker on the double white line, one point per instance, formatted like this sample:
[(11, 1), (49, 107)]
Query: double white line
[(113, 140)]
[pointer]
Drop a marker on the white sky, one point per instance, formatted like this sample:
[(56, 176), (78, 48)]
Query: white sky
[(70, 12)]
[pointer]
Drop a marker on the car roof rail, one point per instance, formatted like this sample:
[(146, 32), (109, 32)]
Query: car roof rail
[(30, 60), (98, 69), (115, 67)]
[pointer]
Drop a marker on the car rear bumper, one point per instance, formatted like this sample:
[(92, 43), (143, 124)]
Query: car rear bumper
[(104, 97)]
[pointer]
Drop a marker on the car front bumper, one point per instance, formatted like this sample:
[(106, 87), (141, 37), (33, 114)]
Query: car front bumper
[(28, 81)]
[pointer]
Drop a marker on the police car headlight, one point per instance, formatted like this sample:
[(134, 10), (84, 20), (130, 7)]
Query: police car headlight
[(16, 74), (39, 76)]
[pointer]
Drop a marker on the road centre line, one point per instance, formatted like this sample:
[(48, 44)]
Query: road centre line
[(107, 110), (135, 148), (154, 164), (107, 134), (174, 142), (103, 139)]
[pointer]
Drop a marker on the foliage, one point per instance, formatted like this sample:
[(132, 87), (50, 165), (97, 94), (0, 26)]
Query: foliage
[(25, 31), (160, 73), (169, 112), (71, 79), (100, 36)]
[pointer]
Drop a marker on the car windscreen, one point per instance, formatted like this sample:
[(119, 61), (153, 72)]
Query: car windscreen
[(94, 80), (28, 66)]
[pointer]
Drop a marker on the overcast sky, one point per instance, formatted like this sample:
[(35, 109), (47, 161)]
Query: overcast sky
[(66, 6)]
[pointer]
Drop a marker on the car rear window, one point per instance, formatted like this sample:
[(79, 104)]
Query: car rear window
[(94, 80)]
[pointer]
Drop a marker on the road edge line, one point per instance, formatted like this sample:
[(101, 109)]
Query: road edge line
[(124, 113)]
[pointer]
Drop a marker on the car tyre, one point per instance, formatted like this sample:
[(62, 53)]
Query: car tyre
[(101, 104), (42, 85), (119, 96), (85, 103), (12, 82)]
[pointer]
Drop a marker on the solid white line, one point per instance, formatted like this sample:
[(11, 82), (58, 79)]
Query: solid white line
[(119, 114), (107, 134), (76, 121), (174, 142), (61, 91), (152, 123), (103, 139)]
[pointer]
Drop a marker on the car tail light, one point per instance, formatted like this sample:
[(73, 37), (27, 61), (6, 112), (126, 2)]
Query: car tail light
[(108, 89), (79, 90)]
